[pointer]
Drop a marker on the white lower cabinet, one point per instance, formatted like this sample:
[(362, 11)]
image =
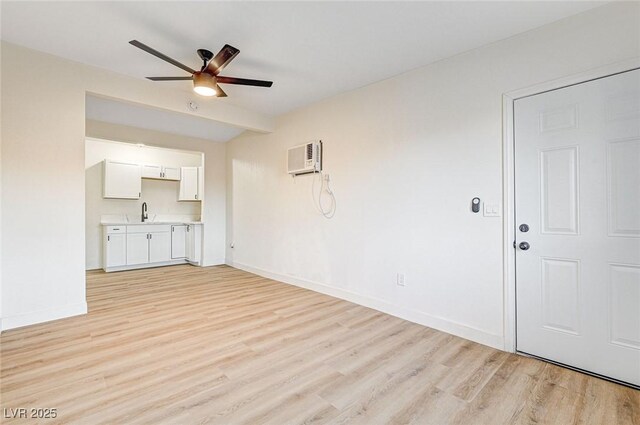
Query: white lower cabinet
[(160, 246), (194, 243), (151, 245), (178, 241), (115, 250), (137, 248)]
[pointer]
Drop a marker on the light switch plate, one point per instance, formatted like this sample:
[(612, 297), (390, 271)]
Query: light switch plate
[(491, 209)]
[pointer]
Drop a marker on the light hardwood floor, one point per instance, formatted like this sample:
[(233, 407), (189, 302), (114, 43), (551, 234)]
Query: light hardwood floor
[(187, 345)]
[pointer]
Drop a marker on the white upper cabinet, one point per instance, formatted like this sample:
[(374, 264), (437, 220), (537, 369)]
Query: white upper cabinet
[(152, 171), (161, 172), (171, 173), (122, 180), (190, 184)]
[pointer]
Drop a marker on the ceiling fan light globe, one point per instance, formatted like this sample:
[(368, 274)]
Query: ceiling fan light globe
[(204, 84), (205, 91)]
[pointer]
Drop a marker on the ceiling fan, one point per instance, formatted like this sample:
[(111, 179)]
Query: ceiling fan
[(205, 81)]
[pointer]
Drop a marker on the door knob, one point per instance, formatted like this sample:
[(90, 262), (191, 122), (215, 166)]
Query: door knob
[(524, 246)]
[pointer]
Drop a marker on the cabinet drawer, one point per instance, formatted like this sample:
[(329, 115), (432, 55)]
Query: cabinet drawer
[(149, 228), (116, 229)]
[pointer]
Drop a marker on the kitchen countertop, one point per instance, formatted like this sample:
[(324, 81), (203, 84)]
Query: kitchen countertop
[(120, 223)]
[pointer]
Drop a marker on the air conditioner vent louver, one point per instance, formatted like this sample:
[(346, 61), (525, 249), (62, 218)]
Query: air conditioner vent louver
[(305, 158), (309, 151)]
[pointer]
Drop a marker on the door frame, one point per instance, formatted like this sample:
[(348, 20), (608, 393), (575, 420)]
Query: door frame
[(508, 180)]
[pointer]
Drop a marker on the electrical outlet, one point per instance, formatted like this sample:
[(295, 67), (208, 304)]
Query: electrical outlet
[(400, 279)]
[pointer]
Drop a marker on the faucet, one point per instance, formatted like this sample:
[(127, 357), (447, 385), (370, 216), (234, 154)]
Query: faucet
[(145, 216)]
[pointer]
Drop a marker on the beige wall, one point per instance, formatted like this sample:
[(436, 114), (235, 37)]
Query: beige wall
[(406, 156), (42, 174)]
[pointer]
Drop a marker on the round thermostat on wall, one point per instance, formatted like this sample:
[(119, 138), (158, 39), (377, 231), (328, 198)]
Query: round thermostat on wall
[(193, 105)]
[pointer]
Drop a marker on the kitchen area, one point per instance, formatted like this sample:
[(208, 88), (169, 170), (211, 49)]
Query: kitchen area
[(143, 206)]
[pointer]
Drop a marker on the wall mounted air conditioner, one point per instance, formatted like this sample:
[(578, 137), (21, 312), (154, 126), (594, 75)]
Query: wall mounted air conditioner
[(305, 158)]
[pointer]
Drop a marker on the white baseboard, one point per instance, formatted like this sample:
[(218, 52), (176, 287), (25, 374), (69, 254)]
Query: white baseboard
[(215, 262), (20, 320), (441, 324)]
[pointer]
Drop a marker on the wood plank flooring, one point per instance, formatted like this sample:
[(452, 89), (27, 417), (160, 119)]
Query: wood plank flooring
[(188, 345)]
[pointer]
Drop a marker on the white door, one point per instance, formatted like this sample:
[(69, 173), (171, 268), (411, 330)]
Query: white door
[(577, 168), (116, 254), (122, 180), (159, 247), (189, 184), (178, 241), (137, 248)]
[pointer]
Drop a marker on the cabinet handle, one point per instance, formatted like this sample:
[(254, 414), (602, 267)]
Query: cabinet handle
[(150, 236), (108, 238), (196, 196)]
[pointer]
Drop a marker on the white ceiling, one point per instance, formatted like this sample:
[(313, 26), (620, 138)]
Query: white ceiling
[(108, 110), (311, 50)]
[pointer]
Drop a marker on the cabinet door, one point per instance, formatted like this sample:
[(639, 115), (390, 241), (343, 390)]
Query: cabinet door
[(159, 247), (196, 255), (194, 243), (178, 241), (152, 171), (171, 173), (189, 184), (137, 248), (189, 243), (116, 250), (122, 180)]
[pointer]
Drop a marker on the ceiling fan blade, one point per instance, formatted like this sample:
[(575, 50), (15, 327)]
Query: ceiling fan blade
[(244, 81), (222, 59), (169, 78), (160, 55), (221, 92)]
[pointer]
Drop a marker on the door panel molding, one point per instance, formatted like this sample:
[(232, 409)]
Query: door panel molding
[(557, 314), (623, 155), (563, 161), (624, 296)]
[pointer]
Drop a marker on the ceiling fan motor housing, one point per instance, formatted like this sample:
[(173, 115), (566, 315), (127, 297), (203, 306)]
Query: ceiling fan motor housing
[(205, 55)]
